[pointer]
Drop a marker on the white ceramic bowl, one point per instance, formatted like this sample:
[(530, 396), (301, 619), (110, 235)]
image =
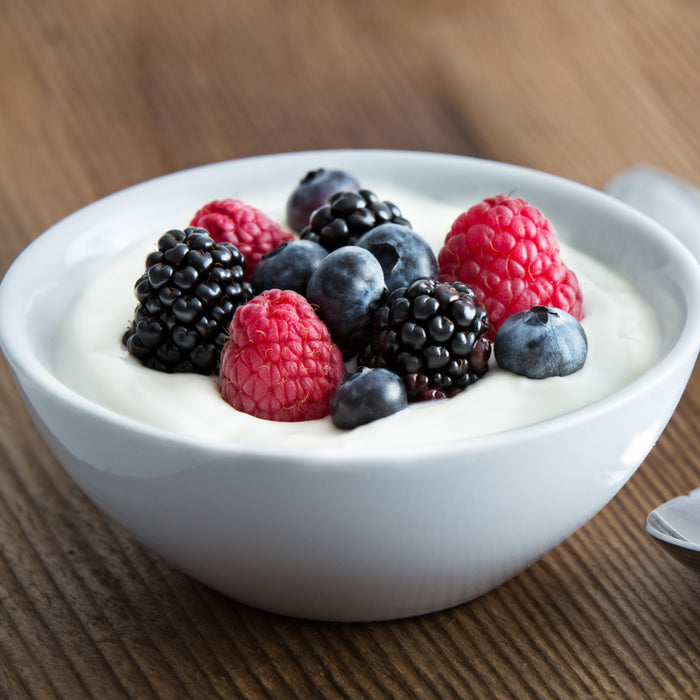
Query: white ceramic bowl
[(364, 535)]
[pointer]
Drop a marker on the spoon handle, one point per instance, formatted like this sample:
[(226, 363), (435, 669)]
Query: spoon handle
[(668, 199)]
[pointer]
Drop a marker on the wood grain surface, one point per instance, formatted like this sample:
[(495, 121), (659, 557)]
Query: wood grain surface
[(96, 95)]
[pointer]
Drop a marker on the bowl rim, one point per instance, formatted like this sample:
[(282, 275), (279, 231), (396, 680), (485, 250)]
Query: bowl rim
[(16, 346)]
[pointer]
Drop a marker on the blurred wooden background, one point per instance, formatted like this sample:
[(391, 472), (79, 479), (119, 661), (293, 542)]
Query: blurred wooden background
[(96, 95)]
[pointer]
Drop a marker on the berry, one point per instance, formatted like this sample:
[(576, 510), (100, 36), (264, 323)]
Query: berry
[(249, 229), (432, 334), (402, 253), (541, 342), (345, 289), (507, 252), (288, 267), (187, 297), (313, 192), (367, 395), (347, 216), (280, 363)]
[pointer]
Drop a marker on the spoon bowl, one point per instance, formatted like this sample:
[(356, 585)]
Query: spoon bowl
[(675, 525)]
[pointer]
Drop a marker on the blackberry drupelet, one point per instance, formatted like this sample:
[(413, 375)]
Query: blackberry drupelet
[(432, 334), (347, 216), (187, 297)]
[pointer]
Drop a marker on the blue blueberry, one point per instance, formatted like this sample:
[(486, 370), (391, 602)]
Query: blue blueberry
[(313, 192), (542, 342), (346, 288), (367, 395), (288, 267), (403, 254)]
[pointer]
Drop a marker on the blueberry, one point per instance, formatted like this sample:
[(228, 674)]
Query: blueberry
[(367, 395), (313, 192), (346, 288), (288, 267), (403, 254), (542, 342)]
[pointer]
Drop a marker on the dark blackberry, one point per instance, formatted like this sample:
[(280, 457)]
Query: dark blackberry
[(347, 216), (187, 297), (432, 334)]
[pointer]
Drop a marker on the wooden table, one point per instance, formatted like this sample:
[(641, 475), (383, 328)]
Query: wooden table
[(97, 95)]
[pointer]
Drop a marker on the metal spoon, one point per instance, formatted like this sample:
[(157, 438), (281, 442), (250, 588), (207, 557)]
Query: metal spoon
[(675, 525), (664, 197), (675, 204)]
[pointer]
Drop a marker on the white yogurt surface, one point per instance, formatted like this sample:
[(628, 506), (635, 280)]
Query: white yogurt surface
[(621, 328)]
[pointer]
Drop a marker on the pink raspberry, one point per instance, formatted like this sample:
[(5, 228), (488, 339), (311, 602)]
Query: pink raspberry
[(280, 363), (508, 253), (249, 229)]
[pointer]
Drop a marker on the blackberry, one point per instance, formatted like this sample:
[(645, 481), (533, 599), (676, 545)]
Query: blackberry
[(187, 297), (432, 334), (347, 216)]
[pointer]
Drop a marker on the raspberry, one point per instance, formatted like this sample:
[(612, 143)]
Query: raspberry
[(280, 363), (506, 251), (249, 229)]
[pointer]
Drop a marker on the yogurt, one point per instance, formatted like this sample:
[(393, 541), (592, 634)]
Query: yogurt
[(623, 342)]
